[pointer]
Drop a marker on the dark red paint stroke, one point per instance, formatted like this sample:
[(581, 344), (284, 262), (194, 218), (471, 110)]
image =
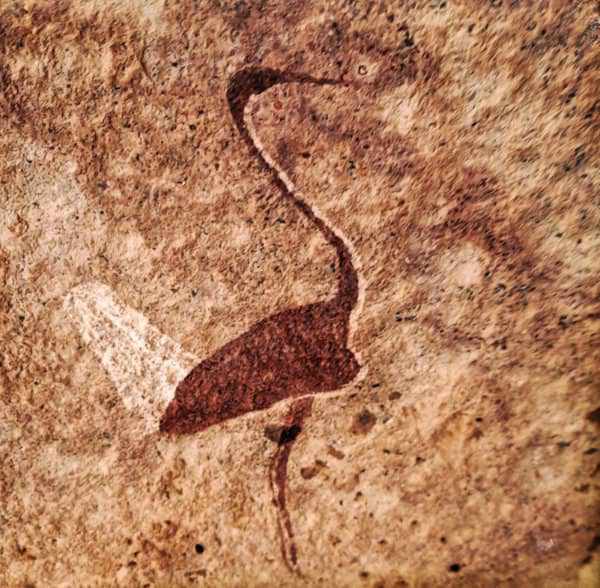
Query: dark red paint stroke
[(278, 478), (251, 81), (293, 353)]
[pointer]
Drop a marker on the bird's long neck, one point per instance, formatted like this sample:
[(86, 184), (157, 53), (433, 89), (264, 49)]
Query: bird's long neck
[(347, 293)]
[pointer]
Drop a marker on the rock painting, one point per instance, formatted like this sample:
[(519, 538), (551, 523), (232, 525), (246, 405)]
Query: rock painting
[(291, 354)]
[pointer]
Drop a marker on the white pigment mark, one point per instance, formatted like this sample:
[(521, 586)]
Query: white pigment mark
[(144, 365)]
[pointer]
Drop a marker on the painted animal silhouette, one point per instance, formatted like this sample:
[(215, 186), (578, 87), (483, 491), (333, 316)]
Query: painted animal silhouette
[(295, 353)]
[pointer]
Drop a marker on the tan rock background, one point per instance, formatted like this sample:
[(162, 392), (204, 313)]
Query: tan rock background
[(464, 170)]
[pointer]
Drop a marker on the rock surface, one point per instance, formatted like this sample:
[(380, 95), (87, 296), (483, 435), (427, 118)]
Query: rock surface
[(460, 162)]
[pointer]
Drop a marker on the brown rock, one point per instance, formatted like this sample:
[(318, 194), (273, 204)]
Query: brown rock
[(456, 160)]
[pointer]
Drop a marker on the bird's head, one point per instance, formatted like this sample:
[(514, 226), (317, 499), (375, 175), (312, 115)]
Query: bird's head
[(250, 81)]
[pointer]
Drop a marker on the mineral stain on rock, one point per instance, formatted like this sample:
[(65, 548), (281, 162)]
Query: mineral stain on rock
[(293, 353), (363, 422)]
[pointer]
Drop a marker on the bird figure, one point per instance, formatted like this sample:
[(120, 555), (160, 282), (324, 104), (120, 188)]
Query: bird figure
[(295, 353)]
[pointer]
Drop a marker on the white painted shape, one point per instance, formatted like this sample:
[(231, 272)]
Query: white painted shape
[(144, 365)]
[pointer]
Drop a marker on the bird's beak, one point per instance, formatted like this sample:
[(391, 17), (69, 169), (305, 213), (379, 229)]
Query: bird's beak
[(303, 78)]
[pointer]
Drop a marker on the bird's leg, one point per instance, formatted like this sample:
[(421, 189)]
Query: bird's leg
[(285, 436)]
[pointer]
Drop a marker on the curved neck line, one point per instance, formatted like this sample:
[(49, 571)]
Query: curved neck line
[(238, 97)]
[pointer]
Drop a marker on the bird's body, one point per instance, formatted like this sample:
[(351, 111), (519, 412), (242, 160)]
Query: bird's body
[(289, 354)]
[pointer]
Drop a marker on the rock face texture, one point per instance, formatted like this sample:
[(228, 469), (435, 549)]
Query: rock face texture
[(450, 435)]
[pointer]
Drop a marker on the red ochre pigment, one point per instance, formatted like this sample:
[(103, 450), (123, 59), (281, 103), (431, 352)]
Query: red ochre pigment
[(298, 352), (278, 476)]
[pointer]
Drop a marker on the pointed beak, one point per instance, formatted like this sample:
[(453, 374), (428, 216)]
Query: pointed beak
[(302, 78), (250, 81)]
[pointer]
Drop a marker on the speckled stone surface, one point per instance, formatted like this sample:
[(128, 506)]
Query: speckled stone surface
[(138, 236)]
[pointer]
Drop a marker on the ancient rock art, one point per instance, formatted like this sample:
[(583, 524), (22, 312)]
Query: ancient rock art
[(298, 352), (285, 436)]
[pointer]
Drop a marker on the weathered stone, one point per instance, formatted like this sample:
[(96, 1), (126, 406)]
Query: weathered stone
[(446, 430)]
